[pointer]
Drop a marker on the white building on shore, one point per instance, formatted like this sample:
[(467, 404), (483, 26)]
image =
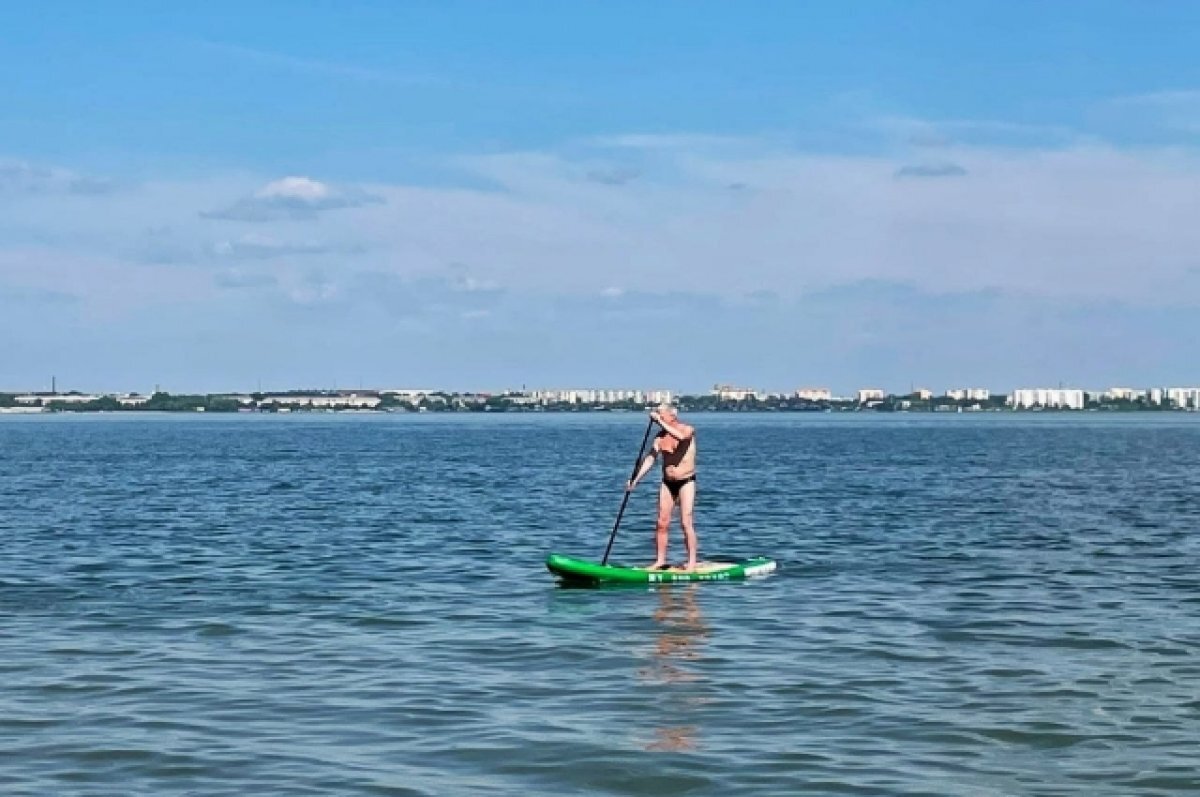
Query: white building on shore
[(870, 394), (815, 394), (334, 401), (131, 399), (735, 393), (43, 399), (969, 394), (1124, 394), (1047, 398), (407, 393), (600, 396), (1184, 397)]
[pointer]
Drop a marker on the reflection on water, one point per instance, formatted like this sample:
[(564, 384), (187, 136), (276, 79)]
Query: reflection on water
[(681, 634)]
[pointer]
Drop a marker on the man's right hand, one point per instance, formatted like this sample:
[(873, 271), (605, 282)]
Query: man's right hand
[(629, 486)]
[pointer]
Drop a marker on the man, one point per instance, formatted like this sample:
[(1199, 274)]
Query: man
[(676, 444)]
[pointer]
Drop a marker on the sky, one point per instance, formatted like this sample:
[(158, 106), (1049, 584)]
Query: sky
[(485, 196)]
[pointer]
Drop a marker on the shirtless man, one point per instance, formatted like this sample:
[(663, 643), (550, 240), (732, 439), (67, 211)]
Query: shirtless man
[(676, 444)]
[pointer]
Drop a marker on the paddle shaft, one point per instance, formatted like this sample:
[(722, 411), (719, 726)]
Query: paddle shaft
[(637, 463)]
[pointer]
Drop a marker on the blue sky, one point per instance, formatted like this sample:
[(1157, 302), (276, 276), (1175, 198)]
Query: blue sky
[(485, 195)]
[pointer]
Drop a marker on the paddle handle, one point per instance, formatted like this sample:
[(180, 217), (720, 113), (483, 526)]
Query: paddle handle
[(637, 463)]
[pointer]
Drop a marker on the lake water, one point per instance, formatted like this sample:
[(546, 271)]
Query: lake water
[(357, 605)]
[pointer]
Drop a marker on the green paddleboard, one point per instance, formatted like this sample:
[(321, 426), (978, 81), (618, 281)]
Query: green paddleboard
[(582, 571)]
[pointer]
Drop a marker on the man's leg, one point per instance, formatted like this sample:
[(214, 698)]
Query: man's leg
[(687, 502), (666, 504)]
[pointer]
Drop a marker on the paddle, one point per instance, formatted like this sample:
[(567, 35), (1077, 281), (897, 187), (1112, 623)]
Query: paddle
[(637, 463)]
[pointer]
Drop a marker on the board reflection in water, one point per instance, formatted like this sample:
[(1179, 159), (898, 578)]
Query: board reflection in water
[(680, 636)]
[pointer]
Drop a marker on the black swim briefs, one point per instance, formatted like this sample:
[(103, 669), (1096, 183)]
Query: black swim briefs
[(675, 485)]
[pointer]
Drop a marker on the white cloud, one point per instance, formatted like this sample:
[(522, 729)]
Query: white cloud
[(298, 189), (296, 198), (1078, 221), (1073, 223), (1058, 253), (265, 247), (22, 179), (168, 246)]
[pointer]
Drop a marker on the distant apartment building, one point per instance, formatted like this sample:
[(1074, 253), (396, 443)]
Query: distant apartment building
[(332, 401), (124, 399), (870, 394), (30, 399), (1124, 394), (601, 396), (407, 393), (923, 394), (1048, 398), (563, 396), (1184, 397), (969, 394), (734, 393), (815, 394)]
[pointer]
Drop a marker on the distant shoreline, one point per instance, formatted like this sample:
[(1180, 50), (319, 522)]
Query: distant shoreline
[(372, 401), (683, 409)]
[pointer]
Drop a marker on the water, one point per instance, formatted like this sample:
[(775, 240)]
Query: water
[(356, 605)]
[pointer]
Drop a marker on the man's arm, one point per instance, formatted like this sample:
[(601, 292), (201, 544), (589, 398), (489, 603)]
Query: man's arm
[(680, 431), (647, 463)]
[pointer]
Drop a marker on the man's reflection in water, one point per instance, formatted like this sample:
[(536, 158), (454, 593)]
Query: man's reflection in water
[(681, 634)]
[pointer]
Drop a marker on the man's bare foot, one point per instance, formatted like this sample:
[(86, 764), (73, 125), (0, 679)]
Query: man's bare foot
[(658, 566), (689, 567)]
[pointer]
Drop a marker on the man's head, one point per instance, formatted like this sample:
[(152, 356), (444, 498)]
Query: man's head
[(667, 412)]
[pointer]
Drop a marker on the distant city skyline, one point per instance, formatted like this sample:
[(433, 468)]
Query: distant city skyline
[(221, 196), (1024, 394), (719, 397)]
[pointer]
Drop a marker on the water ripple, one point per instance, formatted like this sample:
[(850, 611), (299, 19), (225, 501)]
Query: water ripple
[(332, 605)]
